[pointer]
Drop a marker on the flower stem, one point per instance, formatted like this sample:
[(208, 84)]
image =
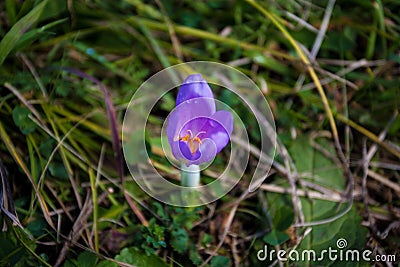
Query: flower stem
[(190, 176)]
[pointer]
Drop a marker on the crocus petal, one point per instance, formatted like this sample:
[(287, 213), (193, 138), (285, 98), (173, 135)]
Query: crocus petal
[(217, 127), (176, 151), (185, 112), (208, 151), (194, 87), (181, 152), (224, 119), (195, 131), (186, 152)]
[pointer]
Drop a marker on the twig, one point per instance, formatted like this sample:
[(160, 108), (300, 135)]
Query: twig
[(239, 62), (32, 69), (320, 148), (331, 77), (301, 21), (227, 226), (175, 41), (364, 188), (79, 227), (76, 230), (342, 62), (392, 149), (256, 152), (318, 39), (367, 156), (236, 259), (386, 165), (291, 175), (384, 181), (322, 30), (353, 66), (60, 202), (135, 209), (382, 135), (333, 196), (393, 225), (16, 92)]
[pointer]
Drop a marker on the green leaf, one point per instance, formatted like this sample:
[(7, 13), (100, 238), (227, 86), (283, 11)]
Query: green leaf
[(180, 240), (37, 227), (63, 89), (87, 259), (18, 30), (276, 237), (57, 169), (195, 256), (68, 263), (107, 264), (320, 169), (324, 172), (138, 258), (220, 261), (206, 239), (324, 236), (21, 119), (17, 249), (46, 147), (281, 212), (283, 219), (154, 237), (185, 217), (160, 211)]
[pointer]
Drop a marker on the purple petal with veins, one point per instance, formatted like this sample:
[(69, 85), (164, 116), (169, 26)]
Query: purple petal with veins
[(185, 112), (196, 132), (195, 87)]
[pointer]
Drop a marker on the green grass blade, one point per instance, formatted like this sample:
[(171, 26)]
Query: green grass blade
[(93, 187), (11, 11), (17, 31)]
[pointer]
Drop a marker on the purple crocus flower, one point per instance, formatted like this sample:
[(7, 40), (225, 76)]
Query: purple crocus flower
[(196, 131)]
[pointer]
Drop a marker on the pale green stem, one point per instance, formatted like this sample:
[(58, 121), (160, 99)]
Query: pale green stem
[(190, 176)]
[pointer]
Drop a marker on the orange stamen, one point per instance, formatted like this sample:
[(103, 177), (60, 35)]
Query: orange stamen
[(192, 142), (185, 138)]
